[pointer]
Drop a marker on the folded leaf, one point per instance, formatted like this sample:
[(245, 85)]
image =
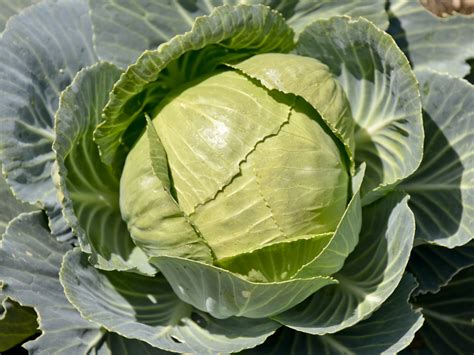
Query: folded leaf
[(112, 344), (224, 294), (345, 238), (387, 331), (147, 309), (311, 80), (382, 93), (88, 189), (279, 261), (369, 276), (155, 220)]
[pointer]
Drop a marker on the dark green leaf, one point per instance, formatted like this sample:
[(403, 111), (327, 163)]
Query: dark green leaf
[(17, 323), (434, 266), (449, 327)]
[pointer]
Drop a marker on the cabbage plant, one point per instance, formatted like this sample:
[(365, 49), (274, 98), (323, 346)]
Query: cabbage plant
[(264, 177)]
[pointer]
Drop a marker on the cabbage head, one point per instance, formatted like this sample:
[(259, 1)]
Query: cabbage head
[(271, 177)]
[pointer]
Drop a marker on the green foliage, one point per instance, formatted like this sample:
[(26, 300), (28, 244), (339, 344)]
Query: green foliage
[(276, 177), (17, 324)]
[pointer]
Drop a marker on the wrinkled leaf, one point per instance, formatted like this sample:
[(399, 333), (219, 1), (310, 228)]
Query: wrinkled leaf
[(123, 32)]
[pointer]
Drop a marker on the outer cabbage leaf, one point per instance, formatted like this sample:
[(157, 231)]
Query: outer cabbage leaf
[(304, 12), (89, 190), (440, 43), (9, 8), (224, 294), (448, 314), (382, 92), (113, 344), (30, 259), (40, 52), (435, 266), (388, 330), (227, 34), (124, 30), (146, 308), (10, 207), (442, 189), (369, 276)]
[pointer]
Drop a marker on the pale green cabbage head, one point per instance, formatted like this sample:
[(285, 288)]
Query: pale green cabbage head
[(250, 169)]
